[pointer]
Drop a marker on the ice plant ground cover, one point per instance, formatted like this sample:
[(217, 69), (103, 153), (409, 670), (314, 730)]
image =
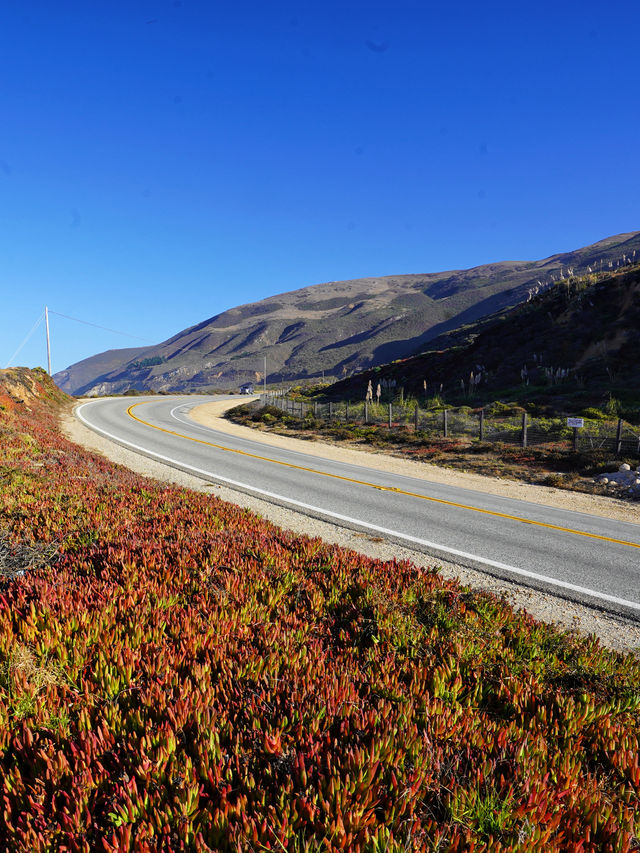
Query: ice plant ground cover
[(178, 674)]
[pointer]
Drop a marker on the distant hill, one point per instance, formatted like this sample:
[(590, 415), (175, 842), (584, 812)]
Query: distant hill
[(82, 374), (339, 327), (575, 345)]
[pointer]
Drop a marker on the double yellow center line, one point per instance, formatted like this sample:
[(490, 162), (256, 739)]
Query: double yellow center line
[(376, 486)]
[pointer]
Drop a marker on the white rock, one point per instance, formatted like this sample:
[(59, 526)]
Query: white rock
[(624, 467), (604, 481)]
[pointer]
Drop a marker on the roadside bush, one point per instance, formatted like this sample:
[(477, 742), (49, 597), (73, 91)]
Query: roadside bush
[(556, 480), (612, 407), (499, 409), (594, 414)]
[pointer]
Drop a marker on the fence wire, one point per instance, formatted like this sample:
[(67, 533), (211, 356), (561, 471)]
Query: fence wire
[(615, 437)]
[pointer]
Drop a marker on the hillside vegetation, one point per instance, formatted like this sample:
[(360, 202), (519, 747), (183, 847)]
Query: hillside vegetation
[(178, 674), (571, 347), (336, 328)]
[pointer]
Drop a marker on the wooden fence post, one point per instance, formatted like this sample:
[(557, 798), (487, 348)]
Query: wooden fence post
[(416, 417), (330, 410), (315, 408), (575, 438), (524, 429), (481, 425), (619, 437), (346, 410), (390, 414), (445, 423), (366, 412)]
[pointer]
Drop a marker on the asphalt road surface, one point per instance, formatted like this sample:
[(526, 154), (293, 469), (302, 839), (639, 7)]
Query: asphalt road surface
[(578, 556)]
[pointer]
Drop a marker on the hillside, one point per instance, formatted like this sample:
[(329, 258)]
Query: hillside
[(83, 373), (22, 388), (575, 344), (339, 327), (177, 674)]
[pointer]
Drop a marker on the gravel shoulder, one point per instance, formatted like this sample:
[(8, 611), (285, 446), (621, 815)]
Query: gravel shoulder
[(620, 634)]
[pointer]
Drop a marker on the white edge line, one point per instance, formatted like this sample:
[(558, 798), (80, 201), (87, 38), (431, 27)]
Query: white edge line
[(404, 536)]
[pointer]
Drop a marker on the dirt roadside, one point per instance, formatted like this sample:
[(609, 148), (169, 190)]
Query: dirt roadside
[(619, 634)]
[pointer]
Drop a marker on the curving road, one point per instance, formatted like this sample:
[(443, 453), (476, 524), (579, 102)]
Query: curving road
[(581, 557)]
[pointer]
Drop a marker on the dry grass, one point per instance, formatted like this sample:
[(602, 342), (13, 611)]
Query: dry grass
[(17, 558), (23, 678), (23, 665)]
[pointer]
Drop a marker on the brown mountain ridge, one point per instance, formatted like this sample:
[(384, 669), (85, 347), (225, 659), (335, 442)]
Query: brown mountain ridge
[(338, 328)]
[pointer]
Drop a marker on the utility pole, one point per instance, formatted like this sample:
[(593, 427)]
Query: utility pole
[(46, 322)]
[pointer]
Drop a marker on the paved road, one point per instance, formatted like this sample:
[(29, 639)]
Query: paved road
[(579, 556)]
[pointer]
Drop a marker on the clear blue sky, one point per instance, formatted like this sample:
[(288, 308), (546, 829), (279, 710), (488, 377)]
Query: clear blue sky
[(164, 160)]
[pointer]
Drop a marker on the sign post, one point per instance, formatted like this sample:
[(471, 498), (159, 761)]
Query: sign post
[(576, 423)]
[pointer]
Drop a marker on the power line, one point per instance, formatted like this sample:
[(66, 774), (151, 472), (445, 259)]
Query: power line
[(104, 328), (76, 320), (34, 327)]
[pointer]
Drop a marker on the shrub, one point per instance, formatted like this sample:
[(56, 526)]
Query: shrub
[(594, 414), (612, 407), (500, 409)]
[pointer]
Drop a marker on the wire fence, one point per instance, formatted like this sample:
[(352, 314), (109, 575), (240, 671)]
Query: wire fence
[(614, 436)]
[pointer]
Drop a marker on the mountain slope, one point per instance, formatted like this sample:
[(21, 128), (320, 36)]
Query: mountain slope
[(83, 372), (576, 344), (338, 327)]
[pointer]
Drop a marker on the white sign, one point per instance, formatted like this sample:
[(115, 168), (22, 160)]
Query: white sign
[(575, 422)]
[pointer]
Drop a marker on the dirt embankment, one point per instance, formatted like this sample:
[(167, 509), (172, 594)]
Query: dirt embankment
[(22, 386)]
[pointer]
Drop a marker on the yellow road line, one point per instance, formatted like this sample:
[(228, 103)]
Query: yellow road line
[(380, 488)]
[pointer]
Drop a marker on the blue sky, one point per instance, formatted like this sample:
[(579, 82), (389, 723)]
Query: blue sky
[(161, 162)]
